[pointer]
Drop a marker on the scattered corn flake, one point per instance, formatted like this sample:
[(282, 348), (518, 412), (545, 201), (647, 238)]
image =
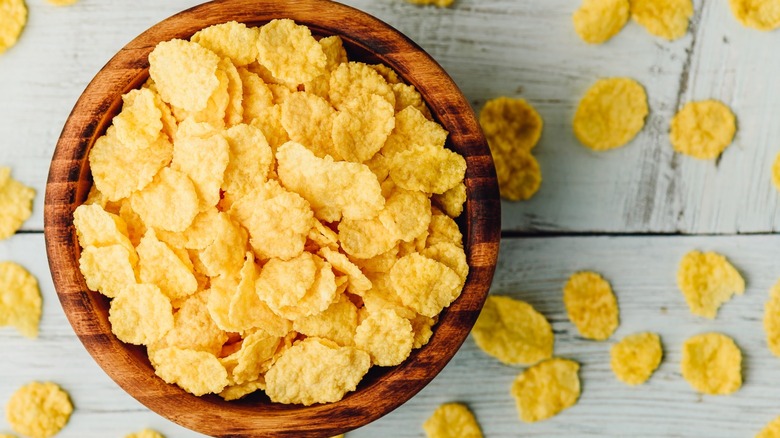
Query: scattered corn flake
[(20, 299), (772, 320), (424, 285), (611, 113), (712, 364), (437, 3), (204, 161), (107, 269), (591, 305), (16, 201), (771, 430), (513, 332), (452, 420), (757, 14), (336, 323), (386, 336), (160, 265), (140, 314), (230, 40), (703, 129), (197, 372), (545, 389), (170, 187), (596, 21), (289, 52), (708, 280), (251, 159), (452, 201), (38, 410), (361, 127), (636, 357), (518, 173), (13, 16), (355, 79), (412, 127), (334, 189), (145, 433), (666, 18), (316, 371), (510, 124), (308, 118), (776, 172), (428, 169), (185, 73)]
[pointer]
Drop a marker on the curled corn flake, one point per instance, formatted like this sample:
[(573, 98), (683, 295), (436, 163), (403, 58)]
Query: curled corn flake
[(513, 332), (38, 410), (712, 364), (97, 227), (666, 18), (611, 113), (591, 305), (250, 160), (545, 389), (772, 320), (703, 129), (412, 127), (257, 97), (452, 201), (20, 299), (452, 420), (708, 280), (596, 21), (13, 16), (757, 14), (204, 161), (510, 124), (518, 173), (289, 52), (185, 73), (194, 326), (140, 123), (636, 357), (140, 314), (197, 372)]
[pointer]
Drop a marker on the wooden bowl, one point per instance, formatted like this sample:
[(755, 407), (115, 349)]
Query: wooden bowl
[(383, 389)]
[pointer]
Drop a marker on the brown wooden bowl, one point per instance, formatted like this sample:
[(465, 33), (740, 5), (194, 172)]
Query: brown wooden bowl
[(383, 389)]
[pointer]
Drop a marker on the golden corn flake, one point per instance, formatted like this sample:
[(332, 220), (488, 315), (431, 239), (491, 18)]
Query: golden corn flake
[(453, 200), (140, 123), (611, 113), (20, 299), (452, 420), (170, 187), (225, 255), (428, 169), (257, 97), (38, 410), (545, 389), (443, 230), (353, 80), (336, 323), (289, 52), (160, 265), (513, 332), (250, 160), (712, 364), (97, 227), (518, 173), (107, 269), (366, 239), (361, 128), (62, 2), (412, 127), (334, 189), (636, 357), (510, 124), (757, 14), (234, 113), (357, 281), (386, 336), (438, 3), (424, 285), (257, 351), (666, 18), (145, 433), (772, 320), (15, 203), (197, 372), (316, 371), (13, 16), (185, 73), (451, 255), (246, 311), (308, 118), (591, 305), (313, 291), (776, 172), (140, 314), (407, 214), (235, 392), (703, 129), (194, 325), (771, 430), (596, 21), (204, 161), (230, 40), (708, 280)]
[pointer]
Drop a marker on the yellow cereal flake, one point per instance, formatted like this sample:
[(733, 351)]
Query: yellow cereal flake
[(357, 281), (38, 410), (139, 125), (169, 188), (185, 73), (451, 255), (407, 214), (772, 320), (250, 160), (97, 227), (438, 3), (160, 265), (334, 189), (196, 372), (771, 430), (302, 286), (453, 200), (316, 371), (611, 113), (708, 280), (545, 389), (510, 124), (361, 128), (355, 79), (413, 128), (20, 299), (757, 14), (336, 323), (13, 16), (246, 311), (428, 169), (145, 433), (225, 255), (518, 173), (257, 97), (194, 326), (230, 40), (308, 118), (62, 2), (596, 21), (452, 420), (513, 332), (204, 161), (776, 172), (666, 18), (255, 356), (386, 336), (140, 314), (424, 285), (289, 52), (107, 269), (591, 305), (235, 392), (234, 112), (712, 364), (365, 239), (443, 229), (636, 357), (703, 129)]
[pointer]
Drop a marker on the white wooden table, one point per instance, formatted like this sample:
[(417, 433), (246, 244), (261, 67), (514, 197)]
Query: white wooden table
[(629, 213)]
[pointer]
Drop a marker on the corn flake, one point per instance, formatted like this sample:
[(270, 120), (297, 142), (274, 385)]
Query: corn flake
[(424, 285), (545, 389), (386, 336), (518, 173), (97, 227), (412, 127), (336, 323), (771, 430), (361, 128), (289, 52), (257, 97), (452, 420), (246, 311), (712, 364), (13, 15), (250, 160), (353, 80), (596, 21), (611, 113), (437, 3), (140, 314), (591, 305), (145, 433), (357, 281), (20, 299), (107, 269), (185, 73), (708, 280), (757, 14), (38, 409), (453, 200), (428, 169), (197, 372), (204, 161), (513, 332), (510, 124), (308, 118), (230, 40), (169, 188), (636, 357), (443, 230), (313, 291), (666, 18), (160, 265), (772, 320), (406, 96), (703, 129)]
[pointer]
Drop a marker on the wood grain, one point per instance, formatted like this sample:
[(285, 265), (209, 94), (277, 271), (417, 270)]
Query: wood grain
[(383, 389)]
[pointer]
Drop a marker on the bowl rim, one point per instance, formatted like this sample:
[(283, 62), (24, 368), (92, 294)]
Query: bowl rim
[(68, 184)]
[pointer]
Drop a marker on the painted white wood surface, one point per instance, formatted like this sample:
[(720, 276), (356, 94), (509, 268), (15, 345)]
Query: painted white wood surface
[(642, 273)]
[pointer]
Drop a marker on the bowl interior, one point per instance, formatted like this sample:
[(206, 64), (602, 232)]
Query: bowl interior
[(383, 389)]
